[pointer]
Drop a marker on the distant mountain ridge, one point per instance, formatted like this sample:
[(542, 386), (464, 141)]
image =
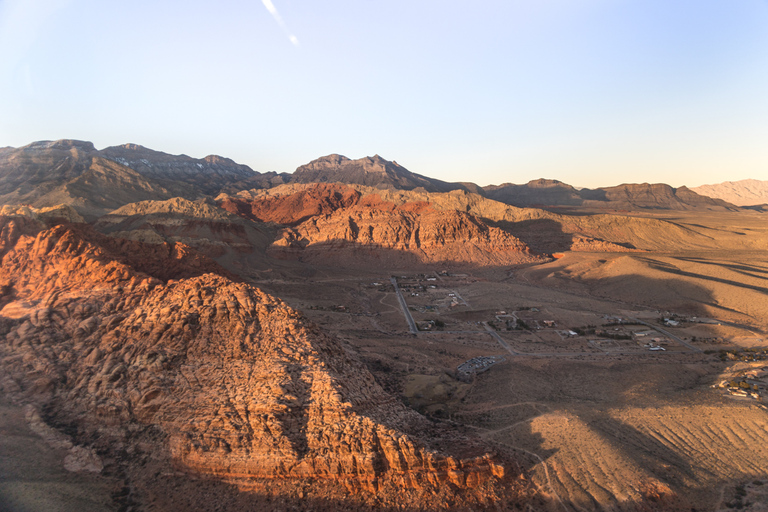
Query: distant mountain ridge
[(740, 193), (95, 182), (622, 197), (206, 174), (48, 173)]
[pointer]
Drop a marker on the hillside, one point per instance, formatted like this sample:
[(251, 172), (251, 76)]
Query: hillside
[(154, 362), (227, 238), (644, 196), (74, 173), (331, 224)]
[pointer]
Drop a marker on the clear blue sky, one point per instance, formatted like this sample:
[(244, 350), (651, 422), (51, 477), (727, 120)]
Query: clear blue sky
[(590, 92)]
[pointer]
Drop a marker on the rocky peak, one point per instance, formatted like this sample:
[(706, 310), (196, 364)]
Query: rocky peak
[(132, 147), (219, 160), (63, 144), (547, 183), (372, 171)]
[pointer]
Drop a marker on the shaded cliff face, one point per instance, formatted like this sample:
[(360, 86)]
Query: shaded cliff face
[(333, 224), (234, 383)]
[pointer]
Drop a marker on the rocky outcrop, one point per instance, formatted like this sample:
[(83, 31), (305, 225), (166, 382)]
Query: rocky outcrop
[(336, 224), (234, 383), (588, 244), (199, 224), (293, 208), (396, 236), (58, 214)]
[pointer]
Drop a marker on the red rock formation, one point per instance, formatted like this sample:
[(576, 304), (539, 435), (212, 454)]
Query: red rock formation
[(238, 384), (334, 224), (291, 209)]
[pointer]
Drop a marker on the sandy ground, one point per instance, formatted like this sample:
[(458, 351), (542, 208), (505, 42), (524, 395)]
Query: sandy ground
[(32, 474)]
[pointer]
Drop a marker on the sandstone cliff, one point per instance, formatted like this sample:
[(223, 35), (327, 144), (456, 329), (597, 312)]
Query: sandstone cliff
[(335, 224), (114, 337)]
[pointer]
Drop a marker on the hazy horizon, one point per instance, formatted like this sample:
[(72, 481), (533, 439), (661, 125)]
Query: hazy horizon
[(591, 93)]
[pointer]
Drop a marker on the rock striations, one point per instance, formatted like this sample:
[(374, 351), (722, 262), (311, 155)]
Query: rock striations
[(334, 224), (114, 340)]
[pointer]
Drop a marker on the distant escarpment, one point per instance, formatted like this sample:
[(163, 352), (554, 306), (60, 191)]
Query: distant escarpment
[(143, 355), (741, 193), (644, 196), (74, 173), (333, 224)]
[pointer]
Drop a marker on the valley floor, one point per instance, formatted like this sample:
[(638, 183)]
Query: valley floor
[(627, 410)]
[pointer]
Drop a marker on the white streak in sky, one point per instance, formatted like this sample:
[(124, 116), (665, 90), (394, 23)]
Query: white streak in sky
[(279, 19)]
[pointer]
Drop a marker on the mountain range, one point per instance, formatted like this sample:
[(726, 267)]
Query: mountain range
[(131, 318), (72, 172)]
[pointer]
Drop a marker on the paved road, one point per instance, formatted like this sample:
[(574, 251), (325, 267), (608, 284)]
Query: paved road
[(498, 338), (404, 306)]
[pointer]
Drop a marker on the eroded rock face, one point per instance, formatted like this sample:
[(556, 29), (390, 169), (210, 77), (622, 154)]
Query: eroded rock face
[(291, 209), (239, 385), (199, 224), (334, 224)]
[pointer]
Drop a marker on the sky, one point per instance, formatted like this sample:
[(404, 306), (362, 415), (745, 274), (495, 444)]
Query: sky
[(589, 92)]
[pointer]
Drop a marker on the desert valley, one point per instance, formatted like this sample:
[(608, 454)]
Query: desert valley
[(189, 334)]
